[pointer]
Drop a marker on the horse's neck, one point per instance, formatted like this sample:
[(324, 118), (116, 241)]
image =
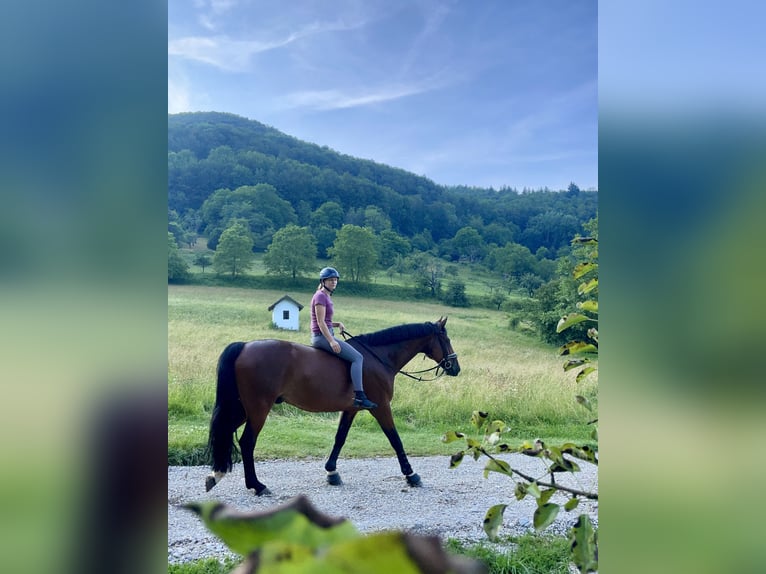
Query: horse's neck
[(400, 354)]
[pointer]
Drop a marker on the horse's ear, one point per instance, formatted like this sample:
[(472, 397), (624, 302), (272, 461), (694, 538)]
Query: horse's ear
[(442, 321)]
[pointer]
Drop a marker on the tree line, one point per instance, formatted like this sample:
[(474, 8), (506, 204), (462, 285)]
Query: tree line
[(214, 154), (247, 188)]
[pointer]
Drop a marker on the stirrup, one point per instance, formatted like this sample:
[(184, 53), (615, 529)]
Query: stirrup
[(364, 403)]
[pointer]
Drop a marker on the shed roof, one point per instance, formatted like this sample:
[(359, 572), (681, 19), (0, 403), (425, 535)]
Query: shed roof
[(286, 298)]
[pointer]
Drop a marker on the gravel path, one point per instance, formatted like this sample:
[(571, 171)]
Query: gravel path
[(374, 496)]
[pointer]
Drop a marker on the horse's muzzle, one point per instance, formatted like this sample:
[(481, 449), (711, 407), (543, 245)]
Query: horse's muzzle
[(450, 365)]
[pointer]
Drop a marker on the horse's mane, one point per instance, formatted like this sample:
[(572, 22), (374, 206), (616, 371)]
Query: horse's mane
[(396, 334)]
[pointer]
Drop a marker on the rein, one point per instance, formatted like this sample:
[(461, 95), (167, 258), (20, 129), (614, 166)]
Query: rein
[(445, 363)]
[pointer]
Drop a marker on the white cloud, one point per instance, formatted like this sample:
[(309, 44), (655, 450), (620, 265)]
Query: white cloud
[(178, 97), (334, 99), (234, 55)]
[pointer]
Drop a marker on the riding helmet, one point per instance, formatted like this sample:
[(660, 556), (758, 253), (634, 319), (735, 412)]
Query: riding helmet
[(328, 273)]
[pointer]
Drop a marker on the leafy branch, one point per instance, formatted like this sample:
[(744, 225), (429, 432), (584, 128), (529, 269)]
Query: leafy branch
[(562, 458)]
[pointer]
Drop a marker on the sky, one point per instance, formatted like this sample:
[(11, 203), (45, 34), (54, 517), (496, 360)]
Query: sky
[(498, 93)]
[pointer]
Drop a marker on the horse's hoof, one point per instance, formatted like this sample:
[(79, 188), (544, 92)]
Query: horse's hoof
[(263, 491), (209, 483), (333, 479), (413, 480)]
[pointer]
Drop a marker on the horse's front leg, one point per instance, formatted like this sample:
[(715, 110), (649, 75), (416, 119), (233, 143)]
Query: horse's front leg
[(393, 437), (344, 424)]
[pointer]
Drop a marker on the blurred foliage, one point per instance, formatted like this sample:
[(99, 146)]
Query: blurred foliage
[(297, 538)]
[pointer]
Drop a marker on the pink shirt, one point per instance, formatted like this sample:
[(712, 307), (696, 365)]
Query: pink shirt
[(321, 298)]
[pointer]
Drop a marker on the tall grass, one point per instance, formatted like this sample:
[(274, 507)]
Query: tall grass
[(511, 375)]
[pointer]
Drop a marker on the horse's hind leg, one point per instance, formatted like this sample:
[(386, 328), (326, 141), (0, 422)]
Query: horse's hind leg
[(247, 447), (346, 418)]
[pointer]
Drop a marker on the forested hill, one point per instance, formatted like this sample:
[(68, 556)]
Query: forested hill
[(210, 151)]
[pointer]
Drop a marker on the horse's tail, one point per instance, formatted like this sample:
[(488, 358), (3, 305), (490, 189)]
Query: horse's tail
[(228, 413)]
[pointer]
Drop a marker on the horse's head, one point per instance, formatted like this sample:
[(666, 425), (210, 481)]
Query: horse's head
[(441, 349)]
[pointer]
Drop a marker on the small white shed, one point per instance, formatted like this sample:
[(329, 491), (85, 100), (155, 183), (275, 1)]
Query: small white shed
[(284, 313)]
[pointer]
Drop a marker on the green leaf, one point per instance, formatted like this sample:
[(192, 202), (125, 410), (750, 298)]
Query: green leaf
[(504, 447), (568, 320), (588, 453), (574, 363), (545, 496), (452, 436), (583, 545), (478, 418), (495, 465), (574, 347), (571, 504), (520, 491), (583, 453), (583, 268), (497, 427), (456, 459), (590, 305), (295, 523), (584, 373), (533, 489), (564, 465), (377, 553), (545, 515), (587, 287), (584, 402), (493, 520), (472, 443)]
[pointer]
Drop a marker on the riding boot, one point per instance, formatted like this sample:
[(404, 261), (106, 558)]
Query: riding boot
[(361, 401)]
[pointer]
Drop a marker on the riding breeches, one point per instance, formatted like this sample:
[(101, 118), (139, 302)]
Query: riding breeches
[(347, 353)]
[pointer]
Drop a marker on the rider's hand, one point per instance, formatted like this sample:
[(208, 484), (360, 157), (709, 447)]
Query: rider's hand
[(335, 346)]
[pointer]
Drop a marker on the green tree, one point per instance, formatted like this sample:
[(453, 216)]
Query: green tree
[(260, 206), (455, 295), (177, 267), (427, 273), (392, 246), (530, 283), (292, 252), (423, 241), (376, 219), (511, 262), (203, 260), (469, 244), (235, 250), (355, 252), (330, 213)]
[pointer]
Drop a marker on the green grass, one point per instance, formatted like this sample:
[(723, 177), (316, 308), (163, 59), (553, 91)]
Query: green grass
[(206, 566), (511, 375), (528, 554)]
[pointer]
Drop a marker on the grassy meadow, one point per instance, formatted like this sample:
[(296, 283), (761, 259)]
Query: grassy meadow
[(511, 375)]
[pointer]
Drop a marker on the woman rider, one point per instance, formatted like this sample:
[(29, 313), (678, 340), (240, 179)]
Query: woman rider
[(323, 333)]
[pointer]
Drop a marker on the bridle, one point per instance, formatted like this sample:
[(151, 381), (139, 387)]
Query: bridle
[(445, 364)]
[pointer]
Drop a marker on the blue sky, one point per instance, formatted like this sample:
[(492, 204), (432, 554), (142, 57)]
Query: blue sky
[(491, 93)]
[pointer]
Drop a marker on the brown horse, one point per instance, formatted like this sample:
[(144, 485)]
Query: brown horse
[(253, 376)]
